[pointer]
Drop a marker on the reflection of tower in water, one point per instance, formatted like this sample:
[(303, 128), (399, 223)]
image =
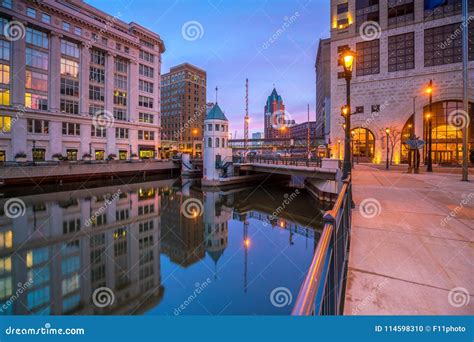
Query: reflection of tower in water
[(216, 224)]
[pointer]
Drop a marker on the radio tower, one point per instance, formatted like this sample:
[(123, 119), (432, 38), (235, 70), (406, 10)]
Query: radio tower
[(246, 119)]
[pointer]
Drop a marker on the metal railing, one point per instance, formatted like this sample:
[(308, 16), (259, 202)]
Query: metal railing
[(322, 292), (278, 160)]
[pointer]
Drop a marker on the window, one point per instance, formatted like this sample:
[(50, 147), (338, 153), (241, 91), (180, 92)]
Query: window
[(209, 142), (97, 75), (146, 135), (37, 38), (343, 8), (401, 52), (5, 124), (38, 126), (146, 56), (118, 46), (120, 114), (71, 129), (120, 82), (121, 133), (4, 49), (147, 44), (69, 68), (66, 26), (217, 142), (6, 3), (209, 127), (98, 132), (400, 12), (120, 98), (145, 70), (435, 9), (126, 49), (77, 31), (70, 49), (69, 106), (144, 101), (45, 18), (96, 93), (145, 117), (120, 65), (36, 59), (31, 12), (36, 101), (95, 110), (69, 87), (366, 10), (368, 58), (36, 81), (443, 45), (98, 57), (146, 86), (6, 241)]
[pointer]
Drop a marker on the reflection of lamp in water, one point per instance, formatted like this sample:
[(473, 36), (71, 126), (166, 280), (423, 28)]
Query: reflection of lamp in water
[(282, 224), (247, 243), (195, 214)]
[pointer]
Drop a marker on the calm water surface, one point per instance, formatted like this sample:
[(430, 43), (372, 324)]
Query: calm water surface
[(158, 248)]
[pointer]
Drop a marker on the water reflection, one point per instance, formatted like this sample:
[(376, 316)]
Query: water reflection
[(136, 240)]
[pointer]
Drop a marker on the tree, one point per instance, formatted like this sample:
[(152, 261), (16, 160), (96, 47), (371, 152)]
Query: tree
[(394, 137)]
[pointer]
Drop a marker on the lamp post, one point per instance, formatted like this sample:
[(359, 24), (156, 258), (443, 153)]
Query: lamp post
[(429, 159), (387, 132), (339, 149), (193, 152), (347, 60), (352, 148)]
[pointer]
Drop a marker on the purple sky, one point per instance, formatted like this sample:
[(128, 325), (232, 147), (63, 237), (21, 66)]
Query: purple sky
[(270, 42)]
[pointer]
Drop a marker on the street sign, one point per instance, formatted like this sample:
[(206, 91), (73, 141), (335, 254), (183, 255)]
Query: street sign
[(415, 144)]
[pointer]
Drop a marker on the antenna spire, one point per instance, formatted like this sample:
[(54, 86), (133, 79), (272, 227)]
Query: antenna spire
[(246, 119), (217, 89)]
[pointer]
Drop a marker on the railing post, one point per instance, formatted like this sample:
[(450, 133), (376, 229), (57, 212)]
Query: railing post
[(330, 295)]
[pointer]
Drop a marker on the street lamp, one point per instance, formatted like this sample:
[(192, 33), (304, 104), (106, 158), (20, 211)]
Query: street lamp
[(195, 132), (352, 148), (429, 159), (387, 132), (347, 60), (339, 149)]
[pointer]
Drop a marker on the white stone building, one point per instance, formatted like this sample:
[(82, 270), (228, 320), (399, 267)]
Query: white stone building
[(217, 153), (400, 46), (75, 80)]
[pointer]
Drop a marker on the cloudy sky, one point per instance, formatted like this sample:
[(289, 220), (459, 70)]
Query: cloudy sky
[(270, 42)]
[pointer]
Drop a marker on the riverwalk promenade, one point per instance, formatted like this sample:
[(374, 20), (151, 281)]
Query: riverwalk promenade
[(412, 244)]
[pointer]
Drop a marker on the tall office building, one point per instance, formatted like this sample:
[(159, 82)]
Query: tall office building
[(400, 46), (75, 81), (323, 89), (183, 107), (276, 118)]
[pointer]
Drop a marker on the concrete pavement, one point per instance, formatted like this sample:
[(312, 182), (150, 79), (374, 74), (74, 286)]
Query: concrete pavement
[(412, 244)]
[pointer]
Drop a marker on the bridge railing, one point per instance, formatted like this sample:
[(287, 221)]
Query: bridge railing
[(322, 292), (279, 160)]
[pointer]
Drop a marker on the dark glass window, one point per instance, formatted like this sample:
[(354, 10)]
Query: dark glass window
[(435, 9), (368, 58), (343, 8), (366, 10), (443, 45), (401, 52), (400, 12)]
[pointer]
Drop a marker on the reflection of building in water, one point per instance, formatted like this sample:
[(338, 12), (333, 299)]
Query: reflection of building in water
[(181, 237), (216, 225), (68, 256)]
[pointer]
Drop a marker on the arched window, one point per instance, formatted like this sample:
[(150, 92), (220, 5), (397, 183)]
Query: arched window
[(447, 119), (209, 142), (223, 142), (407, 134), (364, 143), (217, 142)]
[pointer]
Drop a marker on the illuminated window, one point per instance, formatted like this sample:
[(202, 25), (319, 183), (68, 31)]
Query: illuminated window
[(36, 101), (36, 81), (6, 239), (36, 257), (5, 287), (69, 68), (4, 97), (5, 265), (5, 127)]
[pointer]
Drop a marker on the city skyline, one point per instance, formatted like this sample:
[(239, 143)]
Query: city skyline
[(282, 39)]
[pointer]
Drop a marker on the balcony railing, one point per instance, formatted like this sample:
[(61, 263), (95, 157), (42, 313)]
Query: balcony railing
[(322, 292)]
